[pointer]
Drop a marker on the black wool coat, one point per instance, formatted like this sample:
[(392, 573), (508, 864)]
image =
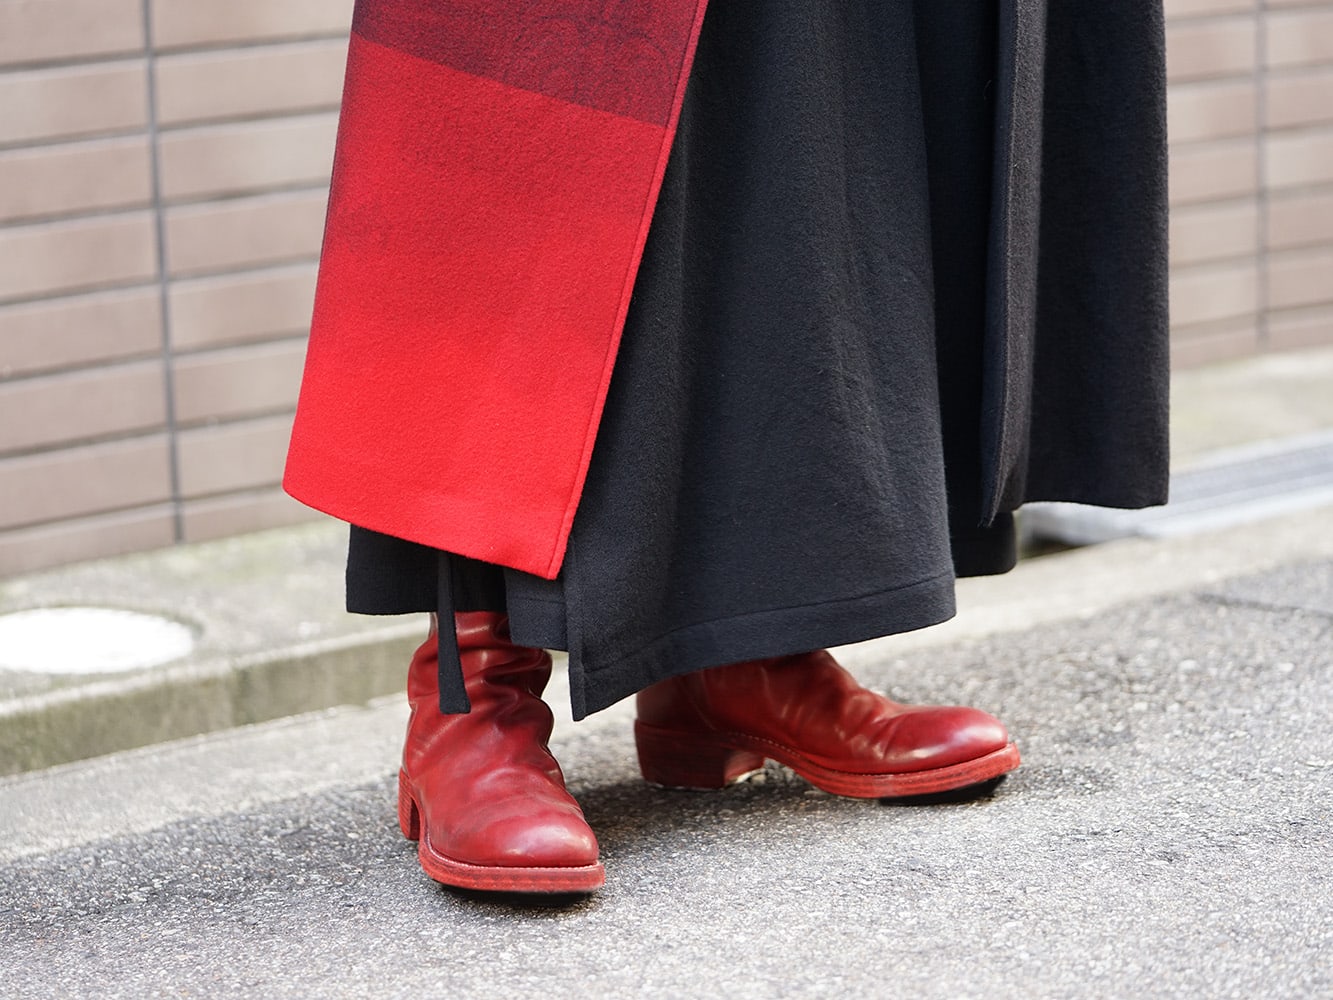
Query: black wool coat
[(1076, 366)]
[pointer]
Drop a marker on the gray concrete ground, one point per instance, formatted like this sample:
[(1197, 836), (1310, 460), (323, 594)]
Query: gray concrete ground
[(1167, 835)]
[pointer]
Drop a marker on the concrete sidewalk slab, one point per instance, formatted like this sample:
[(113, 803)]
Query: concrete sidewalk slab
[(1253, 399), (1168, 835)]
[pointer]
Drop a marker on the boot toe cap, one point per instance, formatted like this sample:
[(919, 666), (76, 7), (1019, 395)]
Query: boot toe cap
[(942, 737), (564, 843), (561, 840)]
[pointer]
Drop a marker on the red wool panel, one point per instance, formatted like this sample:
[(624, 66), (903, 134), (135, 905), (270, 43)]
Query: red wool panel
[(478, 260), (622, 56)]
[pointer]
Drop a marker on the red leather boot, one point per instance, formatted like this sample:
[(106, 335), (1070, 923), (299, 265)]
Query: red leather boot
[(707, 729), (481, 791)]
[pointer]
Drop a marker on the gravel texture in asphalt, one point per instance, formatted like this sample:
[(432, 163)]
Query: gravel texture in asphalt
[(1168, 835)]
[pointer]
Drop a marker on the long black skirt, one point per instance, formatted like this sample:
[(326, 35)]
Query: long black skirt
[(789, 457)]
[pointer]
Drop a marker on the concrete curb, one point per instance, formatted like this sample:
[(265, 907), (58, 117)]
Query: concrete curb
[(73, 723), (271, 641)]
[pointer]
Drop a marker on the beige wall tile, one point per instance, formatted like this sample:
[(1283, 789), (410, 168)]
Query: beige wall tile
[(235, 513), (81, 330), (1297, 99), (42, 30), (26, 550), (1212, 48), (1299, 158), (1214, 231), (261, 81), (1293, 329), (247, 198), (81, 406), (235, 308), (1199, 8), (1211, 110), (1300, 218), (1213, 171), (1299, 37), (224, 160), (55, 257), (1210, 293), (182, 23), (239, 381), (76, 482), (245, 232), (73, 101), (1214, 343), (231, 457), (1300, 278), (75, 177)]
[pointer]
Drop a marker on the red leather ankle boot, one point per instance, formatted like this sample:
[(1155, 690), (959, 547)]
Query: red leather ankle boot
[(481, 791), (707, 729)]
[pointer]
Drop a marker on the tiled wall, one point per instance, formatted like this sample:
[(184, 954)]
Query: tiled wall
[(1251, 119), (160, 220), (162, 179)]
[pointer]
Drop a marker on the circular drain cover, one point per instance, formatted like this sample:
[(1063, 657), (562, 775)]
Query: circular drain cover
[(88, 640)]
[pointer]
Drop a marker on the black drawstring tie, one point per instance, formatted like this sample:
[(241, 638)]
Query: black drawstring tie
[(453, 692)]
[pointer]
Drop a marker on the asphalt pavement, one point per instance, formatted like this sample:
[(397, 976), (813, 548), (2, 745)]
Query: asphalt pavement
[(1167, 835)]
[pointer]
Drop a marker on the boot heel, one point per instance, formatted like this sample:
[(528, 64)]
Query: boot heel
[(686, 760), (409, 816)]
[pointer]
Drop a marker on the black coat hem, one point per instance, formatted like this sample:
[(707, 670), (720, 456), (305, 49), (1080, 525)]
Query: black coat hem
[(759, 635)]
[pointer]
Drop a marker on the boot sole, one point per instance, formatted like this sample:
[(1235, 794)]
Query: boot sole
[(488, 878), (712, 761)]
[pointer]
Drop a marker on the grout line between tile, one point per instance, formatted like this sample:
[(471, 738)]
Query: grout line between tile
[(1263, 262), (163, 278)]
